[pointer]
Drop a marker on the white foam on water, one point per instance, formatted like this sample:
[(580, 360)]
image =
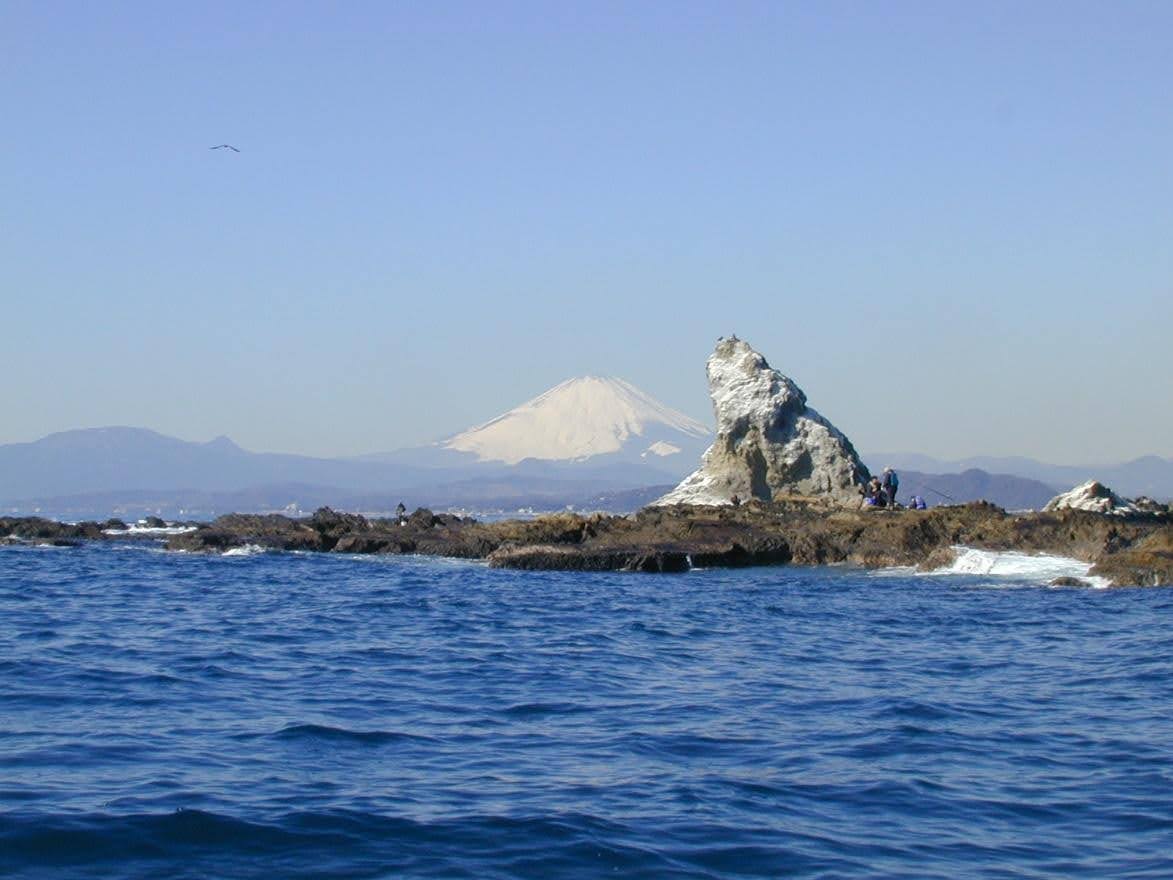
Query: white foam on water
[(1013, 565), (246, 550), (150, 530), (896, 571)]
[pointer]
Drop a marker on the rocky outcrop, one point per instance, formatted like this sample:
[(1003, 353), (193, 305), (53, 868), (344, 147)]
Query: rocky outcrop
[(1092, 496), (330, 531), (1145, 563), (1127, 550), (770, 445), (35, 530)]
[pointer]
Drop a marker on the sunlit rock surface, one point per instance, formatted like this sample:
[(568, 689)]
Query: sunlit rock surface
[(1092, 496), (770, 445)]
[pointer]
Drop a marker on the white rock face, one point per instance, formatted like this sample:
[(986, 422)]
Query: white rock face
[(769, 442), (1093, 496), (579, 419)]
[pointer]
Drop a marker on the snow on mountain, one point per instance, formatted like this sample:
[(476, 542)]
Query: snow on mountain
[(580, 419), (661, 448)]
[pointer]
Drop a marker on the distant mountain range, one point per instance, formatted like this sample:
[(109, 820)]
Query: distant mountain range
[(592, 443), (585, 439), (1149, 475), (125, 459), (101, 472), (1005, 490)]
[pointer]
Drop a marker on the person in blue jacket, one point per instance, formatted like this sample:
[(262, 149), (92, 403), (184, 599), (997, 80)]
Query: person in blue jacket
[(891, 483)]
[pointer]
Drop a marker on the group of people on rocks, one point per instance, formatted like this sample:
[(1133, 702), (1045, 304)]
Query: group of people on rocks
[(881, 492)]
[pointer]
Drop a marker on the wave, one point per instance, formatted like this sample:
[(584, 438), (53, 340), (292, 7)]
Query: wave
[(150, 530), (60, 841), (343, 734), (246, 550), (1014, 565), (538, 710), (197, 843), (749, 723)]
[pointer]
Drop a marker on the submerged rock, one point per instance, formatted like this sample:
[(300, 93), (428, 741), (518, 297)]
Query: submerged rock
[(1092, 496), (770, 445)]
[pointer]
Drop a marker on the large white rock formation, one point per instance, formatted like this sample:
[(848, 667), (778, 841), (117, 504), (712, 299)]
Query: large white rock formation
[(1093, 496), (769, 444)]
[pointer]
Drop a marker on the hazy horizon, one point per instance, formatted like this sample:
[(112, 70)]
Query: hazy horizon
[(948, 224), (871, 456)]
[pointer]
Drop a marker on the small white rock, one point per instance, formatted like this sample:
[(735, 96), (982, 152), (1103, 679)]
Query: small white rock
[(1093, 496)]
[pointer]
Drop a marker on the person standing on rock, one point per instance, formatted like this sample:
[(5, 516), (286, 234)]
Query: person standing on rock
[(891, 483)]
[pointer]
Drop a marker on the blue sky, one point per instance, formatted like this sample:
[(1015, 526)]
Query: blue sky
[(948, 222)]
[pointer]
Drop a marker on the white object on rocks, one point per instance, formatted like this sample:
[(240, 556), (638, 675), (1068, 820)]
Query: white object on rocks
[(1094, 496), (769, 442)]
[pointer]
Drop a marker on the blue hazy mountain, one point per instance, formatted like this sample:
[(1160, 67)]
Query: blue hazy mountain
[(124, 459), (1148, 475), (1006, 490), (578, 439)]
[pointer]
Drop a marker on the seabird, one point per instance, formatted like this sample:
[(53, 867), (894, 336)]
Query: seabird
[(222, 146)]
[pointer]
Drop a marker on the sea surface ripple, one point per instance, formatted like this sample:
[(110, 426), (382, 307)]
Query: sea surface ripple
[(169, 715)]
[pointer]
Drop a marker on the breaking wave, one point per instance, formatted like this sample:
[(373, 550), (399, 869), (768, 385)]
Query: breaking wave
[(150, 530), (1009, 564), (246, 550)]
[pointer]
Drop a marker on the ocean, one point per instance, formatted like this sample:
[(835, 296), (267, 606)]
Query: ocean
[(286, 716)]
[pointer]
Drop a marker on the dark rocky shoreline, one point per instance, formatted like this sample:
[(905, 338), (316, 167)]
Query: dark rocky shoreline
[(1132, 550)]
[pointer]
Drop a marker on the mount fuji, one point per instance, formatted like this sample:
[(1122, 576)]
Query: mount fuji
[(587, 428), (584, 419)]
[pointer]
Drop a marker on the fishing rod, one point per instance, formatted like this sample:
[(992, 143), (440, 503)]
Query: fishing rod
[(942, 494)]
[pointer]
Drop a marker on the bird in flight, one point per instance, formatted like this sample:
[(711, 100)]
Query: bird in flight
[(223, 146)]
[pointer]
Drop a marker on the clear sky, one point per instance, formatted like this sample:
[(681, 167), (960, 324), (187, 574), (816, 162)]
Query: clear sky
[(950, 223)]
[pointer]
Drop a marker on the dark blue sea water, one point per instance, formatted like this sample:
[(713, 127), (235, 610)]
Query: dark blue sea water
[(272, 716)]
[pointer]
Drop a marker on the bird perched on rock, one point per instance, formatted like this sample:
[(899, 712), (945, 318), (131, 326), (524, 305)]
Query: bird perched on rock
[(223, 146)]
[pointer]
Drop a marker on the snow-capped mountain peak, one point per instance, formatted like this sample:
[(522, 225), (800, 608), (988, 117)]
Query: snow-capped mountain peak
[(579, 419)]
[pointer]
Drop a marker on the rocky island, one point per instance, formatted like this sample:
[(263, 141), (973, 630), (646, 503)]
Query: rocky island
[(779, 485)]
